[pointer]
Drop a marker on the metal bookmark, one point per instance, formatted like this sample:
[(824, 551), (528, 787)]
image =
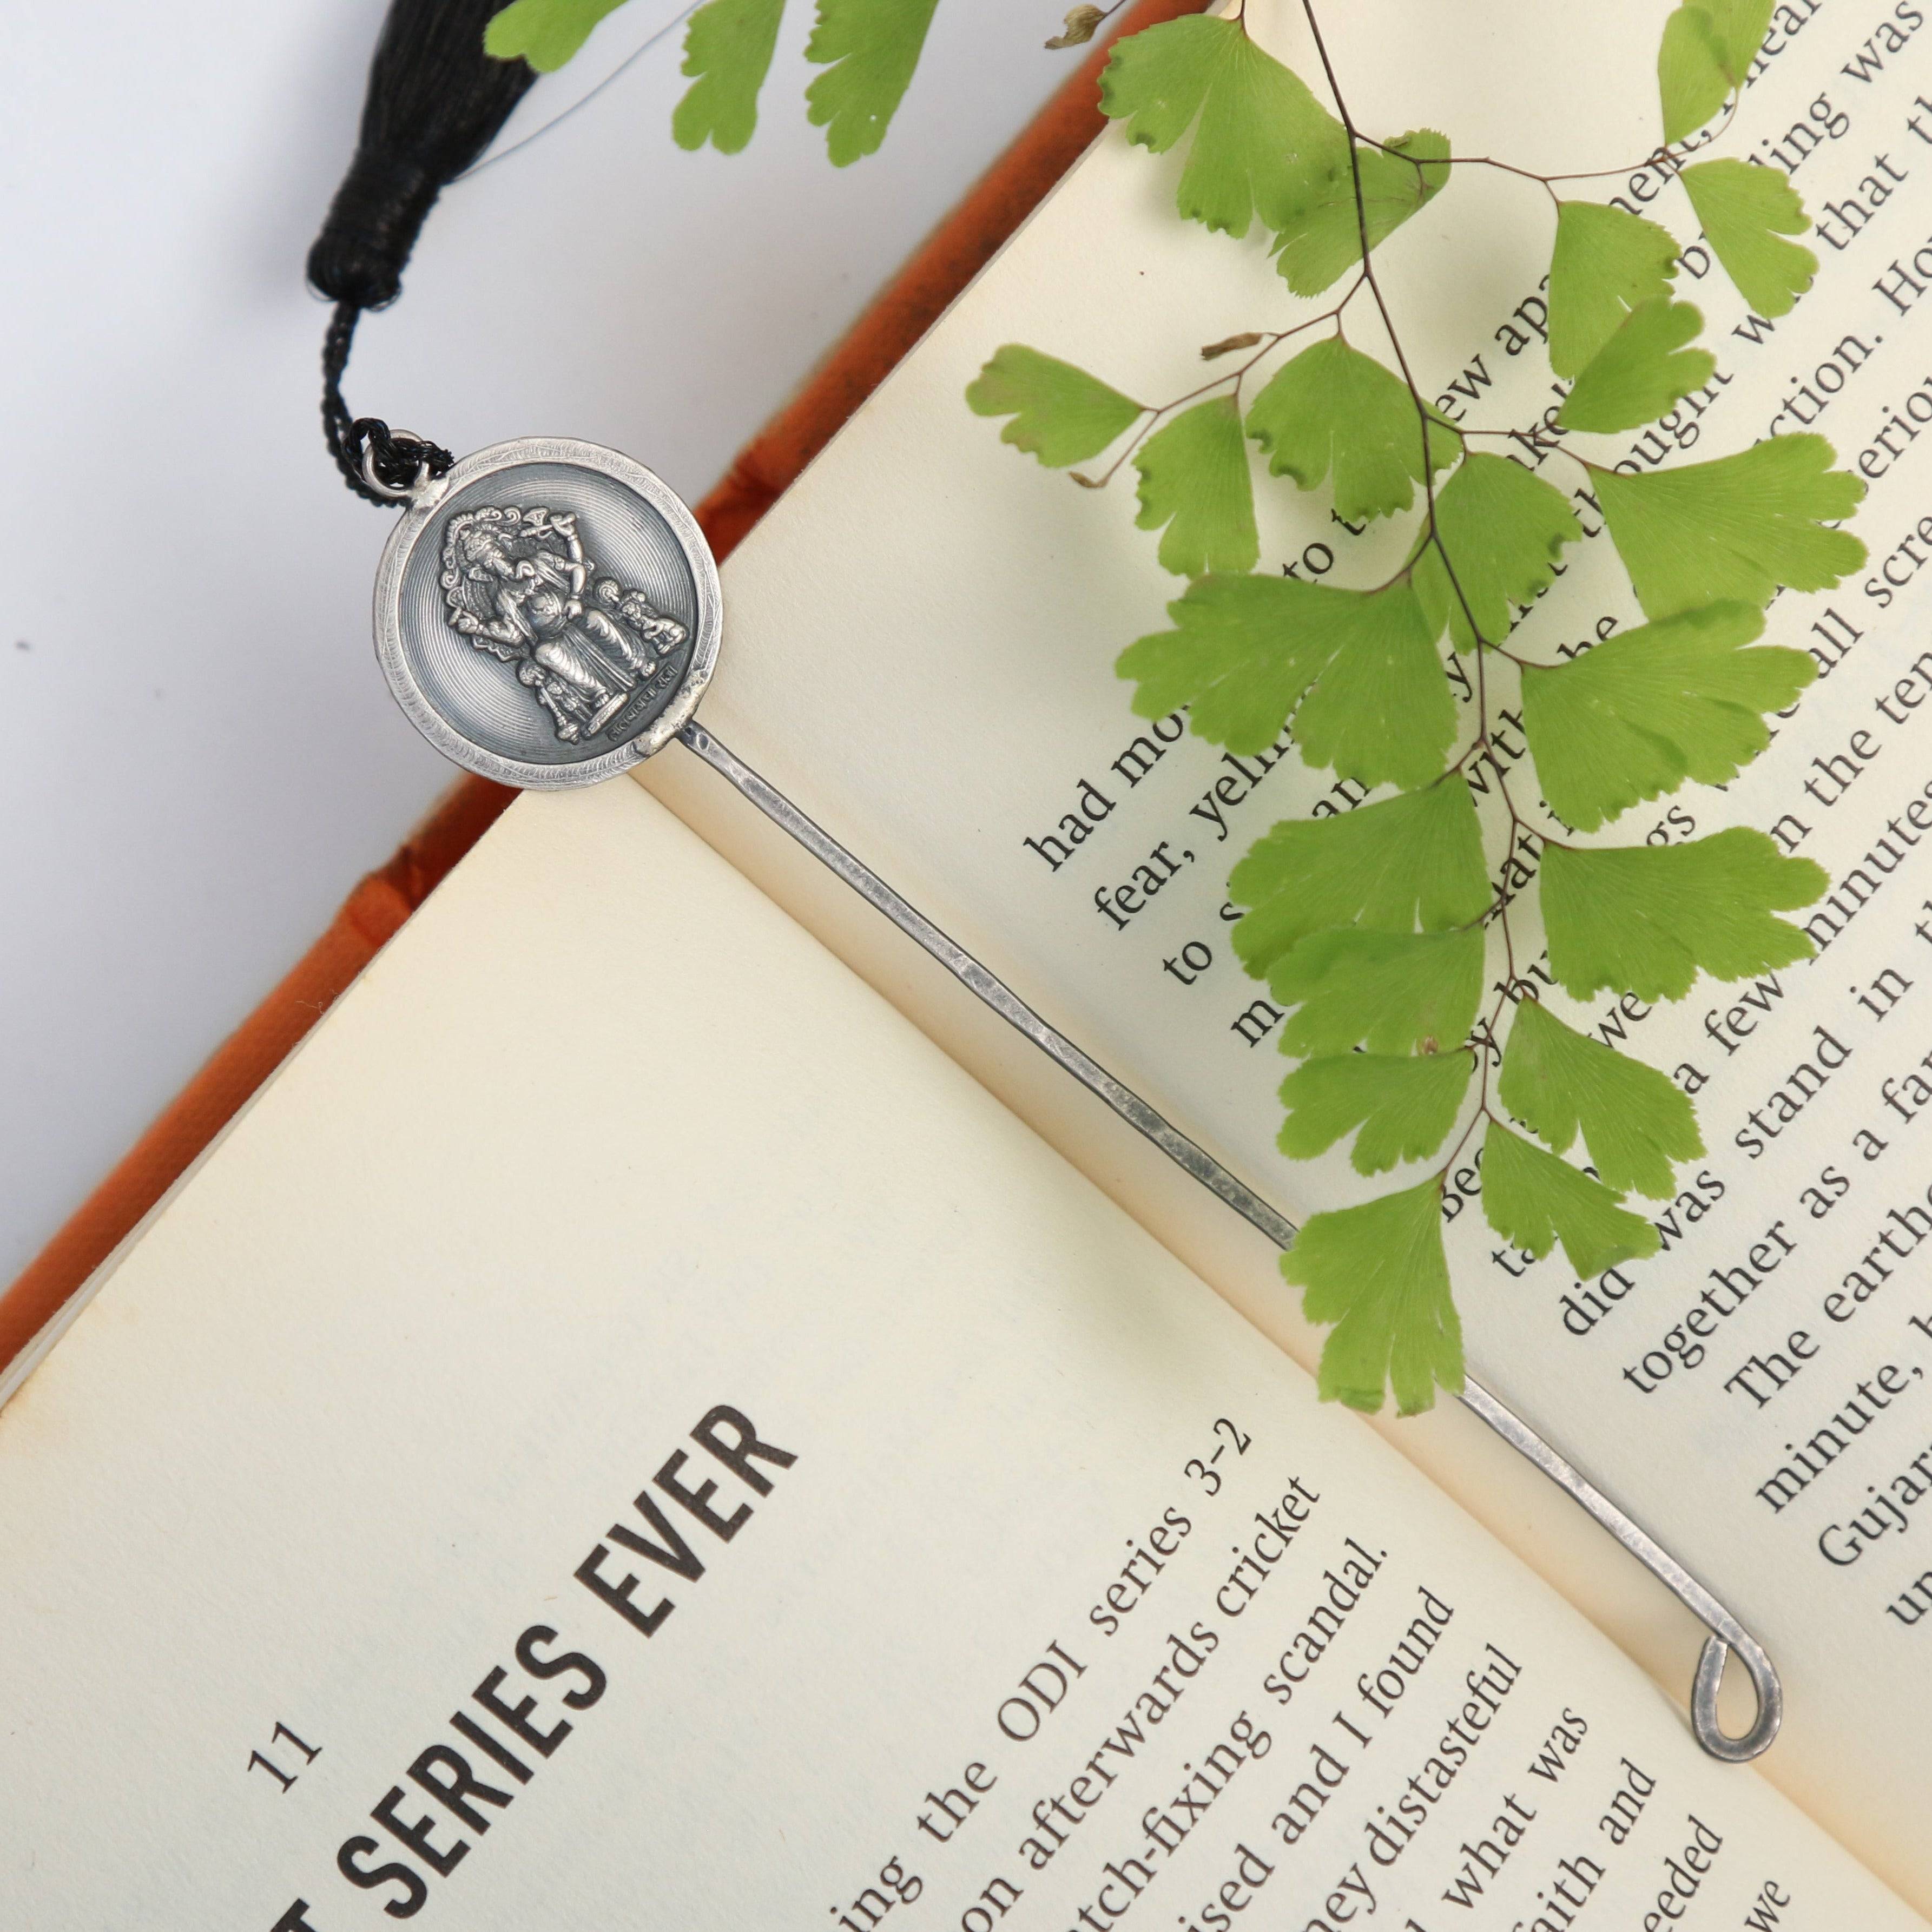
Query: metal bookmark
[(547, 613), (1727, 1635)]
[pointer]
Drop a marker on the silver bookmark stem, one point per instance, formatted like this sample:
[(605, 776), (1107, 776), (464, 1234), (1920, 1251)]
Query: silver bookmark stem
[(1727, 1634), (995, 991)]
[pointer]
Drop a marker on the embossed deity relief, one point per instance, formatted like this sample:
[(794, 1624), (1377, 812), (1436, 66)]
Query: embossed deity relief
[(518, 583)]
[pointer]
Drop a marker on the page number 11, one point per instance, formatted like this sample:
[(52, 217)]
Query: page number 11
[(310, 1753)]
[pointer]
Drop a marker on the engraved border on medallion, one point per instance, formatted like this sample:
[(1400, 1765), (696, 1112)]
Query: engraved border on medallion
[(439, 730)]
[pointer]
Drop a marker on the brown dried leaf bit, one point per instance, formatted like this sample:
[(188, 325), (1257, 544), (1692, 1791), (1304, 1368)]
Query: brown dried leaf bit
[(1079, 27)]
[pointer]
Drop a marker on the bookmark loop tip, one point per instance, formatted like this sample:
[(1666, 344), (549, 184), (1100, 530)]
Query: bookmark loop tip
[(1711, 1734)]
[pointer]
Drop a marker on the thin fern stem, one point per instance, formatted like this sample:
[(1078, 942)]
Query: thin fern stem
[(1231, 379), (1659, 156), (1434, 529)]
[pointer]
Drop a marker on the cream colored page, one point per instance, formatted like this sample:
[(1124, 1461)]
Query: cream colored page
[(1003, 1576), (944, 615)]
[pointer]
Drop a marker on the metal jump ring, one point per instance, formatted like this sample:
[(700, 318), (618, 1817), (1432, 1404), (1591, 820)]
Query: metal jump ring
[(396, 494)]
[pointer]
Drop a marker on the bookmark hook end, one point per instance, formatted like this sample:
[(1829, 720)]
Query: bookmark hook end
[(1711, 1734)]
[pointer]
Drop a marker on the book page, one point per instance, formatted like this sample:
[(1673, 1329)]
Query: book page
[(920, 644), (625, 1433)]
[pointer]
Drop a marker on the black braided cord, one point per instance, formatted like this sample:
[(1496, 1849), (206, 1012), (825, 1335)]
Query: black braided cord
[(396, 459), (435, 102)]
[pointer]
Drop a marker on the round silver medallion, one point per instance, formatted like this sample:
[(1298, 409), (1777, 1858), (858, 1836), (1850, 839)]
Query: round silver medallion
[(547, 613)]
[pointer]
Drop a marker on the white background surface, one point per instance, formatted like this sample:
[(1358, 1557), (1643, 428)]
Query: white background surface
[(200, 756)]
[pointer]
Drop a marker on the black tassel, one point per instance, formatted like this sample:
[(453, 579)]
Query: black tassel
[(436, 101)]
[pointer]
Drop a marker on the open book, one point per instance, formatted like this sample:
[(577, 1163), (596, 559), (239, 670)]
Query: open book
[(627, 1428)]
